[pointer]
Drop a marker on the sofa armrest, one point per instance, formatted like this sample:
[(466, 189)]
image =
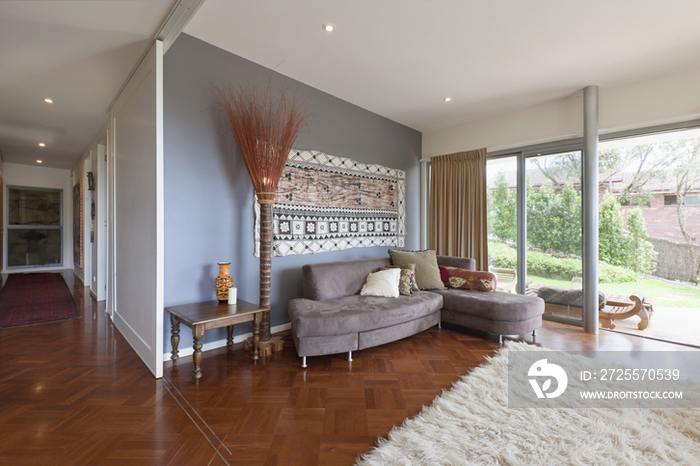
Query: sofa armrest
[(461, 262)]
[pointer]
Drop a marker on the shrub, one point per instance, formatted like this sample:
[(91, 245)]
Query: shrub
[(550, 266)]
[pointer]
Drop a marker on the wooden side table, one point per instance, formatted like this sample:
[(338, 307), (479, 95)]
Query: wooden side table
[(208, 315)]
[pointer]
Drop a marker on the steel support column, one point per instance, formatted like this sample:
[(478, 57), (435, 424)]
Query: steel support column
[(521, 222), (589, 167)]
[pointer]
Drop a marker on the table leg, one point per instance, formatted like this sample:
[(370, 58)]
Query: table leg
[(229, 335), (256, 336), (197, 355), (175, 338)]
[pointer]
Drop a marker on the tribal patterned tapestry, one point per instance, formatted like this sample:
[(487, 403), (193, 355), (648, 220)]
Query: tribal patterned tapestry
[(327, 203)]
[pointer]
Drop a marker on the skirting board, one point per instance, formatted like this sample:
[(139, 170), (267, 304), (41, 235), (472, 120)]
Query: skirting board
[(184, 351)]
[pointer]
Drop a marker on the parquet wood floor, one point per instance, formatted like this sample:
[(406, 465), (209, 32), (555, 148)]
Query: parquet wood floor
[(74, 393)]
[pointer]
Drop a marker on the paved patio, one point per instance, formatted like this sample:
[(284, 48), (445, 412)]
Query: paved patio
[(677, 324)]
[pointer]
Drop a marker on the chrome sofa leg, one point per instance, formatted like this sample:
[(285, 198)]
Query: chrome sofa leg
[(500, 339), (534, 333), (440, 324), (349, 356), (303, 362)]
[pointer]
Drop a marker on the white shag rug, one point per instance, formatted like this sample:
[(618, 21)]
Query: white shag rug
[(471, 424)]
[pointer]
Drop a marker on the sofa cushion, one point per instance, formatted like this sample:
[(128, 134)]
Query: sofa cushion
[(567, 296), (427, 271), (329, 280), (358, 313), (382, 283), (464, 279), (498, 305)]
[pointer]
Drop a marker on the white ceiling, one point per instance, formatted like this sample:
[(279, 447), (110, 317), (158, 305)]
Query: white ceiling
[(400, 58), (78, 53)]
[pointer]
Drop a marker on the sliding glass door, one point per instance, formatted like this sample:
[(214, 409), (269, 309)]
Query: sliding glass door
[(550, 231), (501, 176), (554, 233), (34, 227)]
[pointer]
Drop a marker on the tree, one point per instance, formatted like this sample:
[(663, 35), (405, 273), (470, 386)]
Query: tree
[(642, 163), (649, 166), (612, 244), (503, 209), (560, 169), (631, 250), (554, 219), (642, 256), (685, 158)]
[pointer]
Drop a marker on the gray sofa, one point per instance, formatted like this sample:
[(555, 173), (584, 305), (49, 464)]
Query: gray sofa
[(333, 318)]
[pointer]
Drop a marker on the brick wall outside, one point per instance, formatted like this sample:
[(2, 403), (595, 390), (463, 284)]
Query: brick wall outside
[(662, 221)]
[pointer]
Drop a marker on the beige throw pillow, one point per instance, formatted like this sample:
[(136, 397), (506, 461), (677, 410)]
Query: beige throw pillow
[(383, 283), (427, 270)]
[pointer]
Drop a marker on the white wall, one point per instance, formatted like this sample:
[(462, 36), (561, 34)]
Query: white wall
[(40, 177), (94, 156), (99, 247), (668, 99), (137, 128)]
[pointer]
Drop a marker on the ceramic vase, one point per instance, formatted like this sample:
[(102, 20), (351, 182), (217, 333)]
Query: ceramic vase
[(223, 282)]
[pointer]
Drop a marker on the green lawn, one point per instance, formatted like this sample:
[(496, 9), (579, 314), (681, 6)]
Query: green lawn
[(662, 294)]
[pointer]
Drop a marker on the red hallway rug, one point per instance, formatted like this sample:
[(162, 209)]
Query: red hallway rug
[(35, 298)]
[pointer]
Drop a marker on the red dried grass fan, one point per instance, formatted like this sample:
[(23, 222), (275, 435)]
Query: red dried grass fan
[(265, 123)]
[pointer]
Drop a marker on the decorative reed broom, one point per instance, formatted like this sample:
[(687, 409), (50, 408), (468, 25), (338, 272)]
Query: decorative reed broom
[(265, 125)]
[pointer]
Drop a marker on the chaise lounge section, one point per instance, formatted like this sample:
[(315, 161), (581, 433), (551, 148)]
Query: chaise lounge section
[(333, 318), (496, 312)]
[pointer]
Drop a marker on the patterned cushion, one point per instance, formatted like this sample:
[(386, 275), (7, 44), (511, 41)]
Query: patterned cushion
[(408, 272), (471, 279)]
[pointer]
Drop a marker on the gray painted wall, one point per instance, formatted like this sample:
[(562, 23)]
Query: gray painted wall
[(208, 192)]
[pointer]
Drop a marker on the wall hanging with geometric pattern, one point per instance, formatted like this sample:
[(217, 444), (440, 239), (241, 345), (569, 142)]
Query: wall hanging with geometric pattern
[(328, 203)]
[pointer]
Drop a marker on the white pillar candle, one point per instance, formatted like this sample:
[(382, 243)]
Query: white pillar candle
[(232, 295)]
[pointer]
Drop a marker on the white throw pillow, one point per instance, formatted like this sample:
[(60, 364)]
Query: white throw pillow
[(383, 283)]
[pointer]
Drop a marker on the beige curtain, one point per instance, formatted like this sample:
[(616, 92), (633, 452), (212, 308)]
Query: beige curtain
[(458, 206)]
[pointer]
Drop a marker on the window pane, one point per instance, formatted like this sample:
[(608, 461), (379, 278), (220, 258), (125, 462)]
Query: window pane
[(652, 249), (33, 247), (554, 233), (34, 207), (502, 221)]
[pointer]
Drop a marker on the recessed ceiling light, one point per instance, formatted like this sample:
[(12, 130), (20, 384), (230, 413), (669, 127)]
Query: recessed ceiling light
[(39, 161), (48, 101), (329, 27), (447, 99), (41, 144)]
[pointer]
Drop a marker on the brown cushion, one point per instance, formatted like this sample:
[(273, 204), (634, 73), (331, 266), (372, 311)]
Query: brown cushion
[(471, 279), (427, 271)]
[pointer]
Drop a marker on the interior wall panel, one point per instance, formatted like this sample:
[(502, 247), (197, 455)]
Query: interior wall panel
[(137, 122)]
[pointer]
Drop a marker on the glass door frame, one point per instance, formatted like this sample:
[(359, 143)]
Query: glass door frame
[(9, 226), (521, 155)]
